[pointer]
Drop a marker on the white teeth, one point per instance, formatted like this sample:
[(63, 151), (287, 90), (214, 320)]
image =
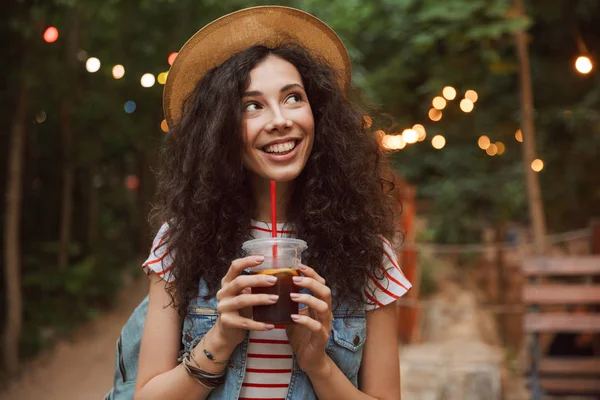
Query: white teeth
[(280, 147)]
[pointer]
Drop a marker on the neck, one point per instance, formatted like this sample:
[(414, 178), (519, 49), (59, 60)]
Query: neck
[(261, 189)]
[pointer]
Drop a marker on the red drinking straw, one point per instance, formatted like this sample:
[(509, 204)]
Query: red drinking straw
[(274, 216)]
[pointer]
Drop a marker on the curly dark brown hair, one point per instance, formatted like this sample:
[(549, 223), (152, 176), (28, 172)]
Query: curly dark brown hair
[(340, 204)]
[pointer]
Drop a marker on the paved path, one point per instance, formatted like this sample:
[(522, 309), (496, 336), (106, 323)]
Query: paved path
[(80, 369)]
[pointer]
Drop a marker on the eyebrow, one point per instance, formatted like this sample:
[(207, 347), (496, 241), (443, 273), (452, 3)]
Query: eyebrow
[(253, 93)]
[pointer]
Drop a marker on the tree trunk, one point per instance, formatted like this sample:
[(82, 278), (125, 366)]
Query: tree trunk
[(12, 236), (66, 219), (534, 197)]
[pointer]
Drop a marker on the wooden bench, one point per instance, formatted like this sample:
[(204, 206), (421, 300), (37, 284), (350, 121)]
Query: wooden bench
[(562, 284)]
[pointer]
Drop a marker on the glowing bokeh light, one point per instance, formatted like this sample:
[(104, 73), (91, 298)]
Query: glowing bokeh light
[(164, 126), (500, 147), (519, 136), (438, 142), (483, 142), (51, 34), (118, 71), (449, 93), (420, 129), (537, 165), (171, 58), (132, 182), (471, 95), (439, 103), (82, 55), (583, 65), (130, 106), (435, 115), (92, 64), (492, 150), (466, 105), (162, 78), (40, 117), (410, 136), (147, 80)]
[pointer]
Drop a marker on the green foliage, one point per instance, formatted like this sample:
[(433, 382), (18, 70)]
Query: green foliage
[(404, 52)]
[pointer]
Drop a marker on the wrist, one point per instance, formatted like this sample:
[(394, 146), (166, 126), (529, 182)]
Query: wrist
[(218, 345), (321, 370)]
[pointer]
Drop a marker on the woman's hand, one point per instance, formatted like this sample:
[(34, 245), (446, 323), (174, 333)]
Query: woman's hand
[(309, 336), (235, 301)]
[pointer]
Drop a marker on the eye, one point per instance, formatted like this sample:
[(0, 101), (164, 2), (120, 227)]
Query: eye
[(252, 106), (294, 98)]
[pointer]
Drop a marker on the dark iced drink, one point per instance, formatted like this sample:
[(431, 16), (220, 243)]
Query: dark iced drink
[(278, 313), (282, 257)]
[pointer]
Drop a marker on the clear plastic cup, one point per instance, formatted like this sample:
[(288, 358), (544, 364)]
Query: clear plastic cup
[(282, 259)]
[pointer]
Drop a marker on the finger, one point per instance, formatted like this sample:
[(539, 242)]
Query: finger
[(319, 290), (245, 300), (242, 282), (308, 322), (240, 264), (308, 271), (316, 304), (235, 321)]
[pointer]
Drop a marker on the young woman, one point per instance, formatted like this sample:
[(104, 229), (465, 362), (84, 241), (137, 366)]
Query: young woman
[(261, 95)]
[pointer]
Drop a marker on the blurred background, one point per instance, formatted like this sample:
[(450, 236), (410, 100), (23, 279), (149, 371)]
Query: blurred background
[(489, 111)]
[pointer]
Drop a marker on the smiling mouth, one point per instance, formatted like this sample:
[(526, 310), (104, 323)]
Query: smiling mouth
[(281, 148)]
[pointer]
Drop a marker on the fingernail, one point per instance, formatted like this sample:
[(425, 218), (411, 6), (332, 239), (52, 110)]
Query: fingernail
[(302, 267), (295, 317), (259, 259), (273, 297), (297, 279), (269, 326), (271, 279), (294, 295)]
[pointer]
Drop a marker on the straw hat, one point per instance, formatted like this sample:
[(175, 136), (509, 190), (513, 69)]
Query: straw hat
[(266, 25)]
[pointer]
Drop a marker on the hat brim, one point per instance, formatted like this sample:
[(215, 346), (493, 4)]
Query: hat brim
[(216, 42)]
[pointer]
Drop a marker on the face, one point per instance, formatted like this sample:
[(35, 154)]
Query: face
[(278, 122)]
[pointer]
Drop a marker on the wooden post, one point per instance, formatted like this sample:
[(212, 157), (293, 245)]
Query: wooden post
[(408, 316)]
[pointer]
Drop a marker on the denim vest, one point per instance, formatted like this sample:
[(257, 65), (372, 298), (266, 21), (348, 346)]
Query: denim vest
[(345, 347)]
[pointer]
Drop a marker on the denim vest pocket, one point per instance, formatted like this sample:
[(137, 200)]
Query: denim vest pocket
[(346, 343), (199, 319)]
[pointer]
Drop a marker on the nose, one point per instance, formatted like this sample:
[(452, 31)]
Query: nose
[(279, 122)]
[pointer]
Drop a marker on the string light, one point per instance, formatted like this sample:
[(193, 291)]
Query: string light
[(410, 136), (435, 115), (583, 64), (82, 55), (92, 64), (130, 106), (471, 95), (147, 80), (537, 165), (492, 150), (466, 105), (171, 58), (519, 136), (40, 117), (162, 78), (118, 71), (164, 126), (483, 142), (500, 147), (439, 103), (393, 142), (438, 142), (420, 129), (51, 34), (449, 93)]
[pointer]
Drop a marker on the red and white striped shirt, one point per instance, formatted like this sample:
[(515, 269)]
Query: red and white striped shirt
[(269, 360)]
